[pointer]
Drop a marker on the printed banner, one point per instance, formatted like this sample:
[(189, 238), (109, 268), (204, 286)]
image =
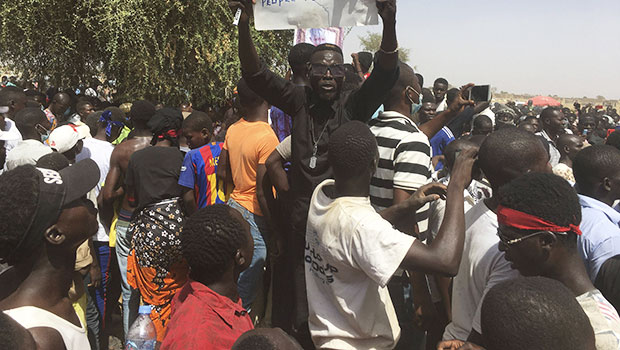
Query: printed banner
[(302, 14)]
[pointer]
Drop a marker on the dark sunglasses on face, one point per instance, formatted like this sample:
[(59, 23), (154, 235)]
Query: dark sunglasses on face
[(337, 70)]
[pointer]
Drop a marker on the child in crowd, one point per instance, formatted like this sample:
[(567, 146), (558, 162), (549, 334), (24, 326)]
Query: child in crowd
[(207, 312)]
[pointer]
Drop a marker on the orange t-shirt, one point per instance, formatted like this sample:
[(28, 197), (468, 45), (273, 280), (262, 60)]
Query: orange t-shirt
[(248, 144)]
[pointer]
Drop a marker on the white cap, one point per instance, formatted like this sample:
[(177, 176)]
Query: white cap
[(64, 138)]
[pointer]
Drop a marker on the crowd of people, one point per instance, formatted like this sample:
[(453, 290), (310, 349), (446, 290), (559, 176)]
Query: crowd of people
[(343, 207)]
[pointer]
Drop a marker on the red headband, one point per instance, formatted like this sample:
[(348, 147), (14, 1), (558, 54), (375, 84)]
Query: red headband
[(524, 221), (172, 133)]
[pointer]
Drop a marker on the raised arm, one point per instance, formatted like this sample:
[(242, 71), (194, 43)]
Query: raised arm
[(433, 126), (276, 90), (366, 100), (250, 63), (443, 255), (387, 57)]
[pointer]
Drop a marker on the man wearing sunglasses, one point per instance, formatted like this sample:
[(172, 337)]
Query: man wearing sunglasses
[(317, 111), (539, 217)]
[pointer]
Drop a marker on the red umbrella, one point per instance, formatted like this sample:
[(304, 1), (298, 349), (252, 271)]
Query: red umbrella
[(545, 101)]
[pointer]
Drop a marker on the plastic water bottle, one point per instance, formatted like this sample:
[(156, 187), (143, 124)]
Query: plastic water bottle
[(142, 334)]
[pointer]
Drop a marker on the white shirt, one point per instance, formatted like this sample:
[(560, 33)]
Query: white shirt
[(74, 337), (26, 152), (482, 267), (351, 254), (99, 151)]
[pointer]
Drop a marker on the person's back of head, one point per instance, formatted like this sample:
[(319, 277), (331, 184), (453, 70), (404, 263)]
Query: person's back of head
[(509, 153), (32, 123), (166, 125), (250, 101), (352, 151), (569, 145), (92, 121), (216, 240), (455, 147), (266, 339), (53, 161), (197, 129), (112, 122), (141, 112), (597, 172), (534, 313), (420, 79), (451, 95), (482, 125), (299, 57), (365, 59), (614, 139), (405, 88)]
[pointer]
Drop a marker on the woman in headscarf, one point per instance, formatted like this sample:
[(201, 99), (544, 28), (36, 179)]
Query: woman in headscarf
[(155, 265)]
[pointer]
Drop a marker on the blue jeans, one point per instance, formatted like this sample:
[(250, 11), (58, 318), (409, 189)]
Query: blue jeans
[(131, 297), (249, 279)]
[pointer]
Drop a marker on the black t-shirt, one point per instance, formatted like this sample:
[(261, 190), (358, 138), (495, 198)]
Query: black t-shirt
[(300, 103), (154, 174)]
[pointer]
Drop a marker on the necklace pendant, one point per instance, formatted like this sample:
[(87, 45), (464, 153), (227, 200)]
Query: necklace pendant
[(312, 164)]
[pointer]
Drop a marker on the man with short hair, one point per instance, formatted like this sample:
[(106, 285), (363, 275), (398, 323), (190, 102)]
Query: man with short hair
[(552, 119), (568, 145), (55, 113), (316, 113), (597, 172), (586, 126), (248, 144), (482, 125), (539, 217), (83, 109), (34, 128), (503, 156), (140, 114), (440, 87), (352, 251), (534, 313)]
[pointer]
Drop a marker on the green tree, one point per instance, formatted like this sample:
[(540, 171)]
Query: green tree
[(371, 42), (169, 50)]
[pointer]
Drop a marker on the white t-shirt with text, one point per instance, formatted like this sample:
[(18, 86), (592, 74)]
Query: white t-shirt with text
[(351, 254)]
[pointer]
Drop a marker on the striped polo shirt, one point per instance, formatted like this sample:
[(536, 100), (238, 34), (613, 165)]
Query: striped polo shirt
[(404, 162)]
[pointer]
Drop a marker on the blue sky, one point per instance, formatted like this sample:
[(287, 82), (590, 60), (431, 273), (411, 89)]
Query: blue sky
[(564, 47)]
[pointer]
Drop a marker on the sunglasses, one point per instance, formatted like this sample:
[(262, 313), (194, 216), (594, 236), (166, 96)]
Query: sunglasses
[(337, 70), (510, 242)]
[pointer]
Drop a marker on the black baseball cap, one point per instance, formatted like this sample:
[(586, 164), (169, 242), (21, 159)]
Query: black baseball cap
[(57, 189)]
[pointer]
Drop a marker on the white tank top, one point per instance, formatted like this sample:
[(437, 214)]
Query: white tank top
[(74, 337)]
